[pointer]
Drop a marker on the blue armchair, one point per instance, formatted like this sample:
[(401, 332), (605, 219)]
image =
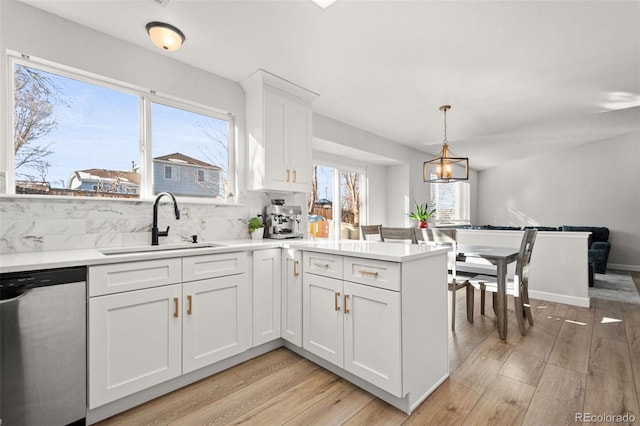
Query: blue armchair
[(599, 245)]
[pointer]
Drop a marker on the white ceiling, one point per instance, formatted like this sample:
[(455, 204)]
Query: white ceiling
[(522, 76)]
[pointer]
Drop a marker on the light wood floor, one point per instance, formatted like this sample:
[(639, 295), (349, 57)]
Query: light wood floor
[(574, 360)]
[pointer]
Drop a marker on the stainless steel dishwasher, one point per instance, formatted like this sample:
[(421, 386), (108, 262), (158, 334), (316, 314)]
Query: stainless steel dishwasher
[(43, 347)]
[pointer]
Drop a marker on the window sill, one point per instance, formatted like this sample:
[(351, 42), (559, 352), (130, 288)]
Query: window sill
[(48, 198)]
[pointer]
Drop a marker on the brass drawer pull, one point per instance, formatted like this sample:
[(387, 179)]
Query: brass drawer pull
[(321, 265), (189, 310), (346, 309), (335, 301), (175, 310), (287, 175), (295, 176), (295, 268), (365, 272)]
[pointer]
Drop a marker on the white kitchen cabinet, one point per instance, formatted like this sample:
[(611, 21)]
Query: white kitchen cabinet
[(267, 277), (354, 326), (215, 320), (291, 309), (135, 342), (279, 131), (140, 338)]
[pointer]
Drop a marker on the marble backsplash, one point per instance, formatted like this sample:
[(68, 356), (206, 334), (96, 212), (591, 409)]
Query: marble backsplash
[(37, 224)]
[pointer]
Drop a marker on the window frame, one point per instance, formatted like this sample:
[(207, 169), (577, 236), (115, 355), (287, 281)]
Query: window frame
[(145, 98), (326, 160), (459, 210)]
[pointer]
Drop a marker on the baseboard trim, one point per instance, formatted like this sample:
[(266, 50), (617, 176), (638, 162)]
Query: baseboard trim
[(621, 267), (583, 302)]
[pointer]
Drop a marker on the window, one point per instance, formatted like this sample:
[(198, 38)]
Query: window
[(171, 173), (451, 201), (330, 184), (80, 135)]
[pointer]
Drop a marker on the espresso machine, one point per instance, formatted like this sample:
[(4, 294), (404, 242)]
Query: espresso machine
[(282, 221)]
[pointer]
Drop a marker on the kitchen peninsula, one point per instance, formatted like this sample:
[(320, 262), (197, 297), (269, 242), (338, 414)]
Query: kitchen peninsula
[(373, 313)]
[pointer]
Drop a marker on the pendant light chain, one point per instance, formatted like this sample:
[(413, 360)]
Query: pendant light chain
[(445, 126)]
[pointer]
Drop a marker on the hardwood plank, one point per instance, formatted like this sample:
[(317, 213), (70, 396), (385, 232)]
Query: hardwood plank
[(608, 320), (573, 344), (558, 397), (377, 412), (262, 366), (527, 361), (251, 396), (175, 405), (631, 317), (294, 401), (476, 372), (450, 404), (610, 385), (505, 402), (550, 317), (336, 408)]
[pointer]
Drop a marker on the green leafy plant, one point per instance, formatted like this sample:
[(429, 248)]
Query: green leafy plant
[(422, 213), (255, 223)]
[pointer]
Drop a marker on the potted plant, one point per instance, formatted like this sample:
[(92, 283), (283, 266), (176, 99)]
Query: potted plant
[(256, 228), (422, 214)]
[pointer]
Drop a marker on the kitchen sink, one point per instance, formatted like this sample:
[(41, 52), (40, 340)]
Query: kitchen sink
[(160, 248)]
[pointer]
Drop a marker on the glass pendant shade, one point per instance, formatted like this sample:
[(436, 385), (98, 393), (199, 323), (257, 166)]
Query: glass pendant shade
[(165, 36), (445, 167)]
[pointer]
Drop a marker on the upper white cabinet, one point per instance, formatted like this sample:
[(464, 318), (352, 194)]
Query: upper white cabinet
[(279, 130)]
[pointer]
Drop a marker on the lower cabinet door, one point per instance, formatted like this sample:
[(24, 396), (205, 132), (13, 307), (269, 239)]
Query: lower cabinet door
[(267, 284), (292, 296), (134, 342), (372, 341), (323, 317), (216, 321)]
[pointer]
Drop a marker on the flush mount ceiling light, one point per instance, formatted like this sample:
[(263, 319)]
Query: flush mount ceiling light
[(445, 167), (165, 36), (324, 3)]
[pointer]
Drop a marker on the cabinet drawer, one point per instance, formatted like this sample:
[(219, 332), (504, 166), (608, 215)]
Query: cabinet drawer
[(119, 277), (377, 273), (327, 265), (214, 265)]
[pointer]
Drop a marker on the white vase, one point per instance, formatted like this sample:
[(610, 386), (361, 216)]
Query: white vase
[(257, 234)]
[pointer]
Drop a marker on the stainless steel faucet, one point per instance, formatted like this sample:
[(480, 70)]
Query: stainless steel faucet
[(155, 234)]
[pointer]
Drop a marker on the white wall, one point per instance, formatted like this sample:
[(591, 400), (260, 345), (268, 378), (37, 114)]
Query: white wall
[(405, 182), (597, 184)]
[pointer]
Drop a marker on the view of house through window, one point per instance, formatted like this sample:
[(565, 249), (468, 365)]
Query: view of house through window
[(334, 204), (194, 147), (72, 137), (81, 138)]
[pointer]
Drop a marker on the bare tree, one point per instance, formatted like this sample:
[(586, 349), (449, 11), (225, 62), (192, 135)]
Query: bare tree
[(351, 201), (313, 196), (216, 153), (35, 93)]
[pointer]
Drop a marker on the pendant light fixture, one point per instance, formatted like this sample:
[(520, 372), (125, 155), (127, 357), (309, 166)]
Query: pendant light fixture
[(165, 36), (446, 166)]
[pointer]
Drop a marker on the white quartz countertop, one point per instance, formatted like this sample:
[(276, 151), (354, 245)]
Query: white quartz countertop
[(30, 261)]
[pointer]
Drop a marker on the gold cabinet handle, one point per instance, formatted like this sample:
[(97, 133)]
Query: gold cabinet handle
[(335, 301), (346, 309), (190, 301), (365, 272), (321, 265), (287, 175), (295, 176), (175, 307), (295, 268)]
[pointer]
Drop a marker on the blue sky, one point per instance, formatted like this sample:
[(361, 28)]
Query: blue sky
[(99, 128)]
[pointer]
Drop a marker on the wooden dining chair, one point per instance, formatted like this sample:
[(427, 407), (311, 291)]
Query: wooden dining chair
[(390, 234), (367, 230), (454, 283), (518, 287)]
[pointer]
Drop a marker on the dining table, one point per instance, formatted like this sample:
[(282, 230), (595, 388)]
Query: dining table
[(500, 257)]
